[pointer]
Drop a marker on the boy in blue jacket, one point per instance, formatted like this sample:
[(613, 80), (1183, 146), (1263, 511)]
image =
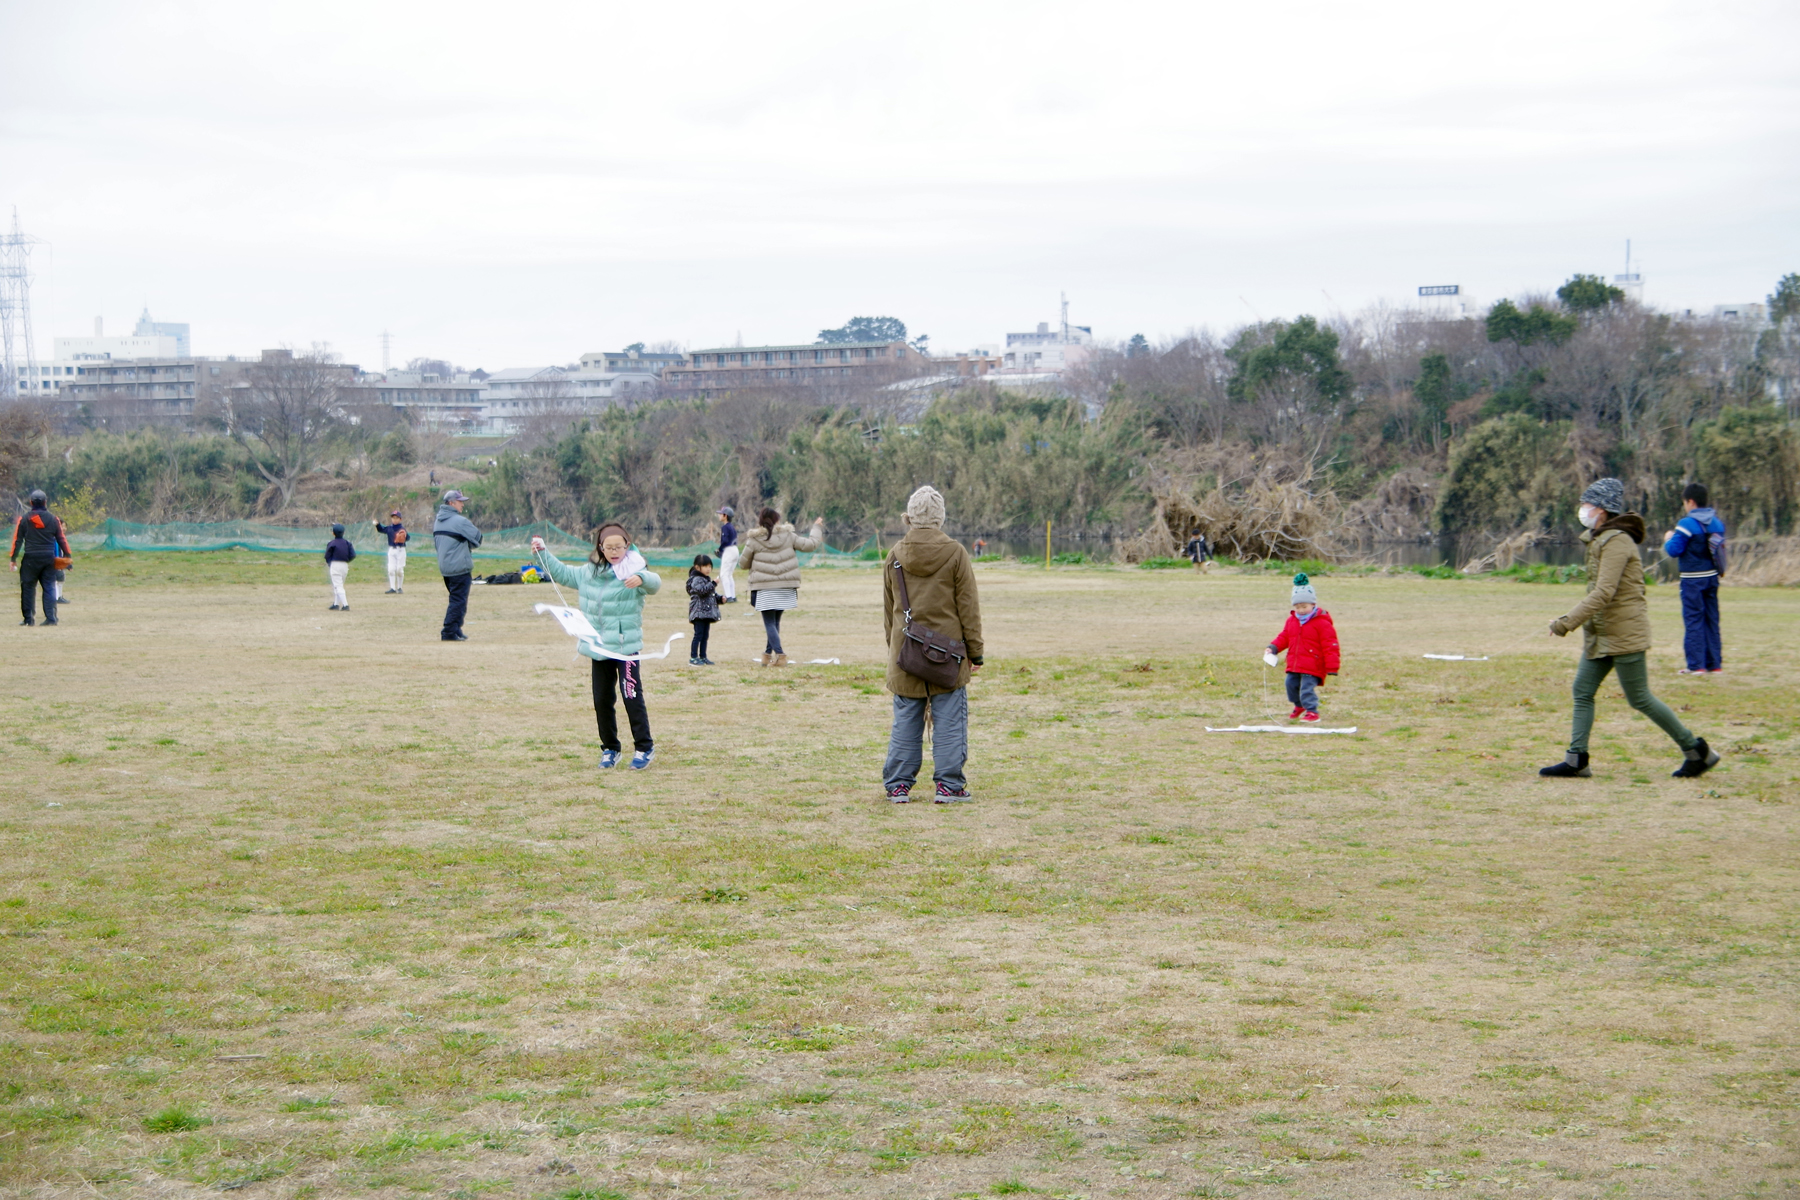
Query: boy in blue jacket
[(1697, 543)]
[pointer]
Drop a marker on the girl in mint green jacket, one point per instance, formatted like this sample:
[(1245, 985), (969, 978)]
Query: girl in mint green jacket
[(612, 585)]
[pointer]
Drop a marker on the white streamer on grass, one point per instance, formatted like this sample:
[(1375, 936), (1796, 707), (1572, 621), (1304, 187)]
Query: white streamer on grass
[(1279, 729), (1456, 657)]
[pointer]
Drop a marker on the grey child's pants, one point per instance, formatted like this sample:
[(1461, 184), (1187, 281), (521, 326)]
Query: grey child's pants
[(949, 739), (1303, 690)]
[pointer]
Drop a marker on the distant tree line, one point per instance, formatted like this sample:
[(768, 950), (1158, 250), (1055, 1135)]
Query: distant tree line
[(1483, 425)]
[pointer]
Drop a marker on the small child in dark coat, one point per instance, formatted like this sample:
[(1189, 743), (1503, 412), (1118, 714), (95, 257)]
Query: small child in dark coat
[(1311, 642), (703, 608)]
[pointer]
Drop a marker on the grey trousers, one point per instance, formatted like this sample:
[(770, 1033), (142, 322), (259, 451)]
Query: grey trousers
[(949, 739)]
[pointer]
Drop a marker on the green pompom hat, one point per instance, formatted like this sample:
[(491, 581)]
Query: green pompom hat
[(1303, 590)]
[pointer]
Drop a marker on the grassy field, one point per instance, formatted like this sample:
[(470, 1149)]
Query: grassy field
[(299, 903)]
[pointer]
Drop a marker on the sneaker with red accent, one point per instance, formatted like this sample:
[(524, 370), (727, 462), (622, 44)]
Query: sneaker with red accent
[(949, 795), (899, 794), (1312, 717), (1295, 715)]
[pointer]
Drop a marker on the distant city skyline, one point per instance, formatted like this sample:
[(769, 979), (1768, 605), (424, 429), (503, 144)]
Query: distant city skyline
[(730, 175)]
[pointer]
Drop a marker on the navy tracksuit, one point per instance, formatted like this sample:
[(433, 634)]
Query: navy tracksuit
[(1699, 587)]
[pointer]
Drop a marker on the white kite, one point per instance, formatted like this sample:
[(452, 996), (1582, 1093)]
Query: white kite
[(577, 626)]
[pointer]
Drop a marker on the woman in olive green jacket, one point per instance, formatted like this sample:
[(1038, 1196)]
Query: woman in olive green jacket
[(1614, 618)]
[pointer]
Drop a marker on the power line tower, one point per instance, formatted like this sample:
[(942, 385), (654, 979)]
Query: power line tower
[(16, 344)]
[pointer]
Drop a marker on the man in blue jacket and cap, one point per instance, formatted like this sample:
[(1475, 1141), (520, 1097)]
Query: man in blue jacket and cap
[(456, 538), (1697, 543)]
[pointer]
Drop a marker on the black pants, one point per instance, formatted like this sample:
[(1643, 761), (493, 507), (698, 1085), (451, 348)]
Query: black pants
[(458, 608), (35, 573), (628, 679), (702, 631), (772, 631)]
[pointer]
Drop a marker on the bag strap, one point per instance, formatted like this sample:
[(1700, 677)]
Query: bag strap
[(905, 601)]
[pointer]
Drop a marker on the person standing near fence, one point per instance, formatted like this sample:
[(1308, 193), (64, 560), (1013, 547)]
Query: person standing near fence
[(1697, 544), (455, 537), (772, 562), (941, 596), (728, 555), (396, 547), (38, 541), (339, 554)]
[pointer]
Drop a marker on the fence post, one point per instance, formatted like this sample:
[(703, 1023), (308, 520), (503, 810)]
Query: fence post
[(1047, 524)]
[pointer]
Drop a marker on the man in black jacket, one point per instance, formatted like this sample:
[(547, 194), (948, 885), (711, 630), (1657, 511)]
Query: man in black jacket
[(37, 542)]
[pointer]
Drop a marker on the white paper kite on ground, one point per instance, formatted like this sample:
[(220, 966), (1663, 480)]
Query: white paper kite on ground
[(1456, 658), (1279, 729), (577, 626)]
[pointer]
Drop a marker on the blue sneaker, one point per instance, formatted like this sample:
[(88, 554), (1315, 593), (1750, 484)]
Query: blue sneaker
[(641, 759), (609, 758)]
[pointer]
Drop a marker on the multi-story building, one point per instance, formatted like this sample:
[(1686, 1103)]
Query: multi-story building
[(727, 367), (630, 361), (518, 395), (441, 402), (1048, 350), (170, 329)]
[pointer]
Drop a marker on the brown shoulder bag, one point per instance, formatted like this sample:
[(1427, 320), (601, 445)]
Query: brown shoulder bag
[(926, 654)]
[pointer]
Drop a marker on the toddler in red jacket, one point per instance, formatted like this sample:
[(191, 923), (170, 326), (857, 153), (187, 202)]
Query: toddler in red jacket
[(1311, 642)]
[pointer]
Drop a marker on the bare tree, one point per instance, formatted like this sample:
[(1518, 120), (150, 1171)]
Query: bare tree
[(24, 440), (286, 404)]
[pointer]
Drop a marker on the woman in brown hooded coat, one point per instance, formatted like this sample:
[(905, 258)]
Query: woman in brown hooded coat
[(1614, 618), (940, 584)]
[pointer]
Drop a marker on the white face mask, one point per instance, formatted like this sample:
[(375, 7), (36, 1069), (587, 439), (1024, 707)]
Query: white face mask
[(1589, 516)]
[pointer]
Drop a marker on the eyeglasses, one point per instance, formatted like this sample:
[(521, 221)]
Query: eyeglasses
[(613, 544)]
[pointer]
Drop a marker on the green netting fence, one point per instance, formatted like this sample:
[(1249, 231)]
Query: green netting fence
[(513, 543)]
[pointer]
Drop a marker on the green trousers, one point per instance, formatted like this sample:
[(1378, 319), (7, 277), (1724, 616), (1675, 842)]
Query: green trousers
[(1634, 678)]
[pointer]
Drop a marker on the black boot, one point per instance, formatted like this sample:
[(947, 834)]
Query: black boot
[(1573, 766), (1701, 759)]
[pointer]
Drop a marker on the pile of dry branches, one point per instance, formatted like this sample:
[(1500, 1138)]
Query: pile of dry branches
[(1274, 511), (1503, 555)]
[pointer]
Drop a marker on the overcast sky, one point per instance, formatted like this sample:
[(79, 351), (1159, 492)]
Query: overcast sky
[(515, 184)]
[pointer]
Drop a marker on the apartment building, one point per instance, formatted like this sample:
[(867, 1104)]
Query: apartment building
[(727, 367)]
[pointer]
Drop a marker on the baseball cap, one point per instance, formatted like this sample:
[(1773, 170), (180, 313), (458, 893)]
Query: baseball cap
[(727, 511), (453, 494), (395, 513)]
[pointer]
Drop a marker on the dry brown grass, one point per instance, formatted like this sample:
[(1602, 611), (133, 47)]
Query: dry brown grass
[(1774, 562), (359, 902)]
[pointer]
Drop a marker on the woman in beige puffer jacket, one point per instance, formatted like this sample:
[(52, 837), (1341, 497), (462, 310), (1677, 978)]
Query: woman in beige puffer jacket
[(771, 561)]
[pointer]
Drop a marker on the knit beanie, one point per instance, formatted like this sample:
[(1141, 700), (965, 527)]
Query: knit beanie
[(1303, 590), (1608, 493), (925, 509)]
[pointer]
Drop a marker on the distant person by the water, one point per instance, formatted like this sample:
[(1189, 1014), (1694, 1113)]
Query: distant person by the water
[(1199, 551)]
